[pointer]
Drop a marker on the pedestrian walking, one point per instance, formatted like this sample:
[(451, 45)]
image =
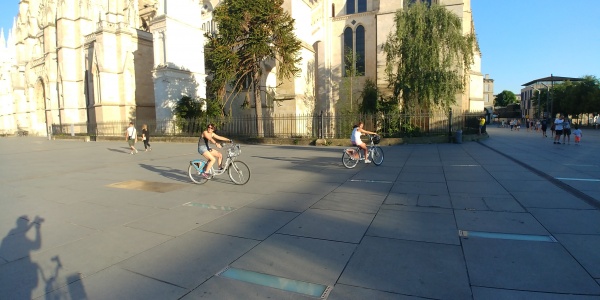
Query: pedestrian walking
[(146, 138), (544, 127), (578, 134), (558, 128), (567, 131), (131, 137)]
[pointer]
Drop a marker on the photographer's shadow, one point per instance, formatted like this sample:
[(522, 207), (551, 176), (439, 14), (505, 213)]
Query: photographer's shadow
[(16, 248)]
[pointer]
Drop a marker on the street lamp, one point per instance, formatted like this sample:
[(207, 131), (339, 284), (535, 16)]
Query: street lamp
[(538, 110), (547, 88)]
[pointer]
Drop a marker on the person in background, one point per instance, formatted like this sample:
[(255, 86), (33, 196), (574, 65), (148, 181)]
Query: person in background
[(578, 134), (558, 128), (146, 138), (544, 125), (481, 124), (567, 131), (131, 137)]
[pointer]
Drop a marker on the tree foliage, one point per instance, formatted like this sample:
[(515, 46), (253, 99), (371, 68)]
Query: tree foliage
[(574, 98), (427, 57), (505, 98), (253, 37), (370, 97)]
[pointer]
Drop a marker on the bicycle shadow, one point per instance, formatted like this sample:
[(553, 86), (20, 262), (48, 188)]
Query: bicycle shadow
[(173, 174)]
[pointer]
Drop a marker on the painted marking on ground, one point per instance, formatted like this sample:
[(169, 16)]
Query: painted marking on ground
[(465, 165), (578, 179), (280, 283), (507, 236), (149, 186), (373, 181), (209, 206)]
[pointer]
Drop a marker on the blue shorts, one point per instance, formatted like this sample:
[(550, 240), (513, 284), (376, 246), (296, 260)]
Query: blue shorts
[(202, 149)]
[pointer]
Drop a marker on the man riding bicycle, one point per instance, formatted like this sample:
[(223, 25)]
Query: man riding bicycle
[(357, 131), (210, 154)]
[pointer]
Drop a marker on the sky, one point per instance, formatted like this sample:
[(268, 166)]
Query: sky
[(520, 40)]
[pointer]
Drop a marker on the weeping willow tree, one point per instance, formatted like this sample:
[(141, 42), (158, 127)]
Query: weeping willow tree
[(253, 37), (427, 57)]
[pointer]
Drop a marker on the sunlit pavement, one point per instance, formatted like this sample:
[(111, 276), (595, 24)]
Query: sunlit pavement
[(511, 217)]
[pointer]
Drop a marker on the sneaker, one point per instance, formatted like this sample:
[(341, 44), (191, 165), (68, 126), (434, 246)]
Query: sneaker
[(136, 151), (367, 161), (206, 175), (131, 152)]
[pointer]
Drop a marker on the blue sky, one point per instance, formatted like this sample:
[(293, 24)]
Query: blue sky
[(520, 40)]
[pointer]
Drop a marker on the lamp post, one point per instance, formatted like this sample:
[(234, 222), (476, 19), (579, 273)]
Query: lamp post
[(538, 110), (547, 88)]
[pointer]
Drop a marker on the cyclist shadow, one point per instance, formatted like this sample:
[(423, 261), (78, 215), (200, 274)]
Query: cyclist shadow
[(174, 174)]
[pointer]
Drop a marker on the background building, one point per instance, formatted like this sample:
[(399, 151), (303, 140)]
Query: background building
[(97, 61), (527, 95)]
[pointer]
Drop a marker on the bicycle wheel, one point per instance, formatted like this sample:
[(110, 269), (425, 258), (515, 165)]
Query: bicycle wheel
[(377, 154), (239, 172), (347, 160), (194, 171)]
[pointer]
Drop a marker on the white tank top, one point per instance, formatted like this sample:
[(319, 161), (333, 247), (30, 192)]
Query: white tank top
[(355, 138)]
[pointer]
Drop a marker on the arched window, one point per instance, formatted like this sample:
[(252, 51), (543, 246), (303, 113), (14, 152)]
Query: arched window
[(354, 51), (359, 50), (348, 50)]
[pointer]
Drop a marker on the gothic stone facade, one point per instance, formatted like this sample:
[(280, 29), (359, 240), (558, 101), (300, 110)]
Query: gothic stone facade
[(93, 61)]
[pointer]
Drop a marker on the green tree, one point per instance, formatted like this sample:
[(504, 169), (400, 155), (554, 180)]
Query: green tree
[(427, 57), (349, 80), (505, 98), (369, 95), (253, 37)]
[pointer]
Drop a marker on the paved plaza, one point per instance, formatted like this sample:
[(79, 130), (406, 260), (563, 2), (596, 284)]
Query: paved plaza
[(510, 217)]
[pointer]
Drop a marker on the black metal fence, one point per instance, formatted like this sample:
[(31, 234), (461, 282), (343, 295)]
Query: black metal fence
[(291, 126)]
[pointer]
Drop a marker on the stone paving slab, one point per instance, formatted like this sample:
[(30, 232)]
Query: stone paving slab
[(190, 259), (298, 258), (409, 268), (526, 266)]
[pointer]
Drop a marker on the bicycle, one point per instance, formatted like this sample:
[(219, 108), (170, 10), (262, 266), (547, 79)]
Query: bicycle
[(352, 156), (238, 171)]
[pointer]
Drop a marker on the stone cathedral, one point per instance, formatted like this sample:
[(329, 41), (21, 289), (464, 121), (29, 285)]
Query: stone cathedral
[(94, 61)]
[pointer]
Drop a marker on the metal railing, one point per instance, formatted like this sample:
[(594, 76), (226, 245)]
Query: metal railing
[(320, 125)]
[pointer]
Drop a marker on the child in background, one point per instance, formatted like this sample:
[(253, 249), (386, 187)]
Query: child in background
[(577, 133)]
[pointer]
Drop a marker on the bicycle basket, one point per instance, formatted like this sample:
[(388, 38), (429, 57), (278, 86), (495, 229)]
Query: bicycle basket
[(376, 140), (235, 151)]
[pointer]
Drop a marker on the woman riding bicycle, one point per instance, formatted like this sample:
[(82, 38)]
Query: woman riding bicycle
[(357, 131), (210, 154)]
